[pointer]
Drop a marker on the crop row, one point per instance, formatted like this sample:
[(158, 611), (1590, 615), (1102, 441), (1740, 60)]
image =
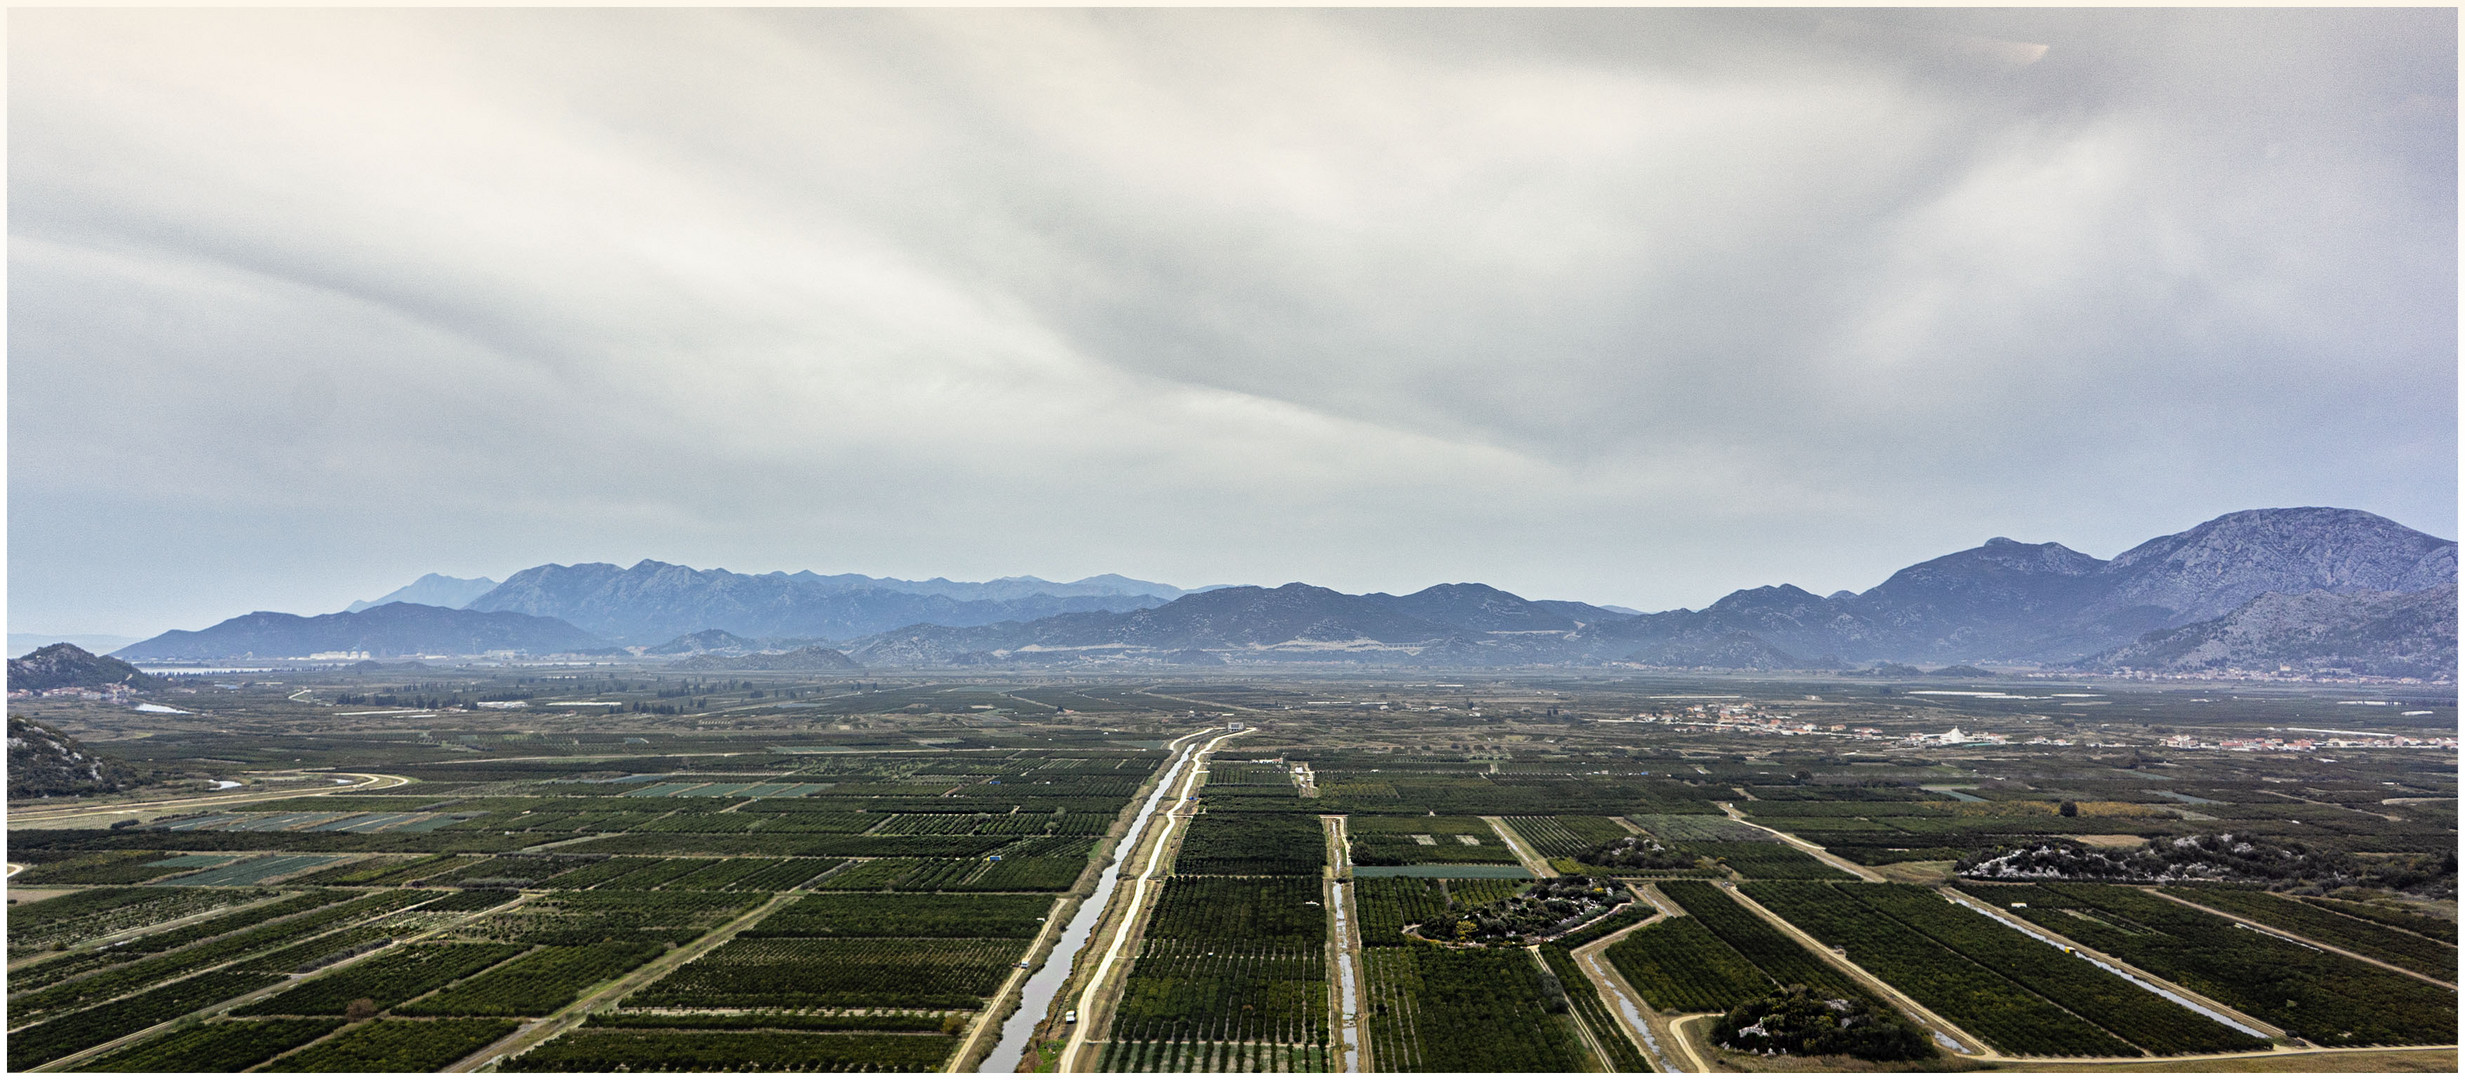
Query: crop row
[(398, 1046), (2003, 1013), (586, 918), (39, 975), (2414, 953), (787, 845), (870, 915), (1184, 991), (1250, 910), (2437, 929), (2320, 996), (387, 980), (1567, 835), (1228, 843), (536, 984), (1390, 904), (212, 1048), (1680, 967), (1768, 861), (92, 913), (1624, 1055), (1764, 946), (2098, 996), (281, 936), (926, 973), (773, 1020), (36, 1044), (1463, 1010), (605, 1050), (115, 868)]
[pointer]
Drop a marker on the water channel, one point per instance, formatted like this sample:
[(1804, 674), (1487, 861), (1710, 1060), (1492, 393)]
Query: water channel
[(1037, 998)]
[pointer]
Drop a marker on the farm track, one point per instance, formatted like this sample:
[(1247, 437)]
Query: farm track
[(1853, 869), (571, 1016), (1591, 1041), (67, 1062), (1523, 851), (1101, 985), (1988, 1054), (58, 818), (1636, 1015), (2203, 1000), (1867, 978), (2292, 936)]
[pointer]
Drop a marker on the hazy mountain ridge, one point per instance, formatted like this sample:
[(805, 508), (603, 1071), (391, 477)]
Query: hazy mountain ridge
[(2039, 603), (807, 658), (391, 630), (2381, 634), (2003, 601), (434, 590), (653, 601), (62, 665), (1296, 618)]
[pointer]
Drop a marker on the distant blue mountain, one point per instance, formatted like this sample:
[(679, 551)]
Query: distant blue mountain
[(434, 590), (390, 630), (651, 602)]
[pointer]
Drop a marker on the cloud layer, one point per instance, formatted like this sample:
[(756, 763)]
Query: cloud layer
[(1627, 306)]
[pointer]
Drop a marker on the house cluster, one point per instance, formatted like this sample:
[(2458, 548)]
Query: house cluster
[(1750, 720), (116, 694)]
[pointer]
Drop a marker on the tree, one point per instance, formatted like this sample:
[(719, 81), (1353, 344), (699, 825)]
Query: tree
[(2068, 809), (360, 1009)]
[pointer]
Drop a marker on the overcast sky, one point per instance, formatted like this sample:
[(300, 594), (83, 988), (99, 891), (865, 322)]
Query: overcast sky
[(1633, 307)]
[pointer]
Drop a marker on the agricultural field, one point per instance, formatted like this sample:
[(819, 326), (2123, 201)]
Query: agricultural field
[(715, 872)]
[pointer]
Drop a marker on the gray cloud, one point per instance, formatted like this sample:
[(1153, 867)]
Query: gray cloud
[(1631, 306)]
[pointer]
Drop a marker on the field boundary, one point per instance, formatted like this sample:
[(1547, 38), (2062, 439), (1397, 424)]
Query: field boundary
[(2313, 942)]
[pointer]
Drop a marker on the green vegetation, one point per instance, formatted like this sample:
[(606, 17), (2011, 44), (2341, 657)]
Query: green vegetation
[(398, 1046), (2005, 1014), (1435, 1009), (926, 844), (2090, 992), (2414, 953), (388, 980), (605, 1050), (2318, 996), (908, 973), (537, 984), (1799, 1021), (1680, 967), (207, 1048)]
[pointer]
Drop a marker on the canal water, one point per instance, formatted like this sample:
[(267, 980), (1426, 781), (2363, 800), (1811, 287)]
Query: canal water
[(1037, 998)]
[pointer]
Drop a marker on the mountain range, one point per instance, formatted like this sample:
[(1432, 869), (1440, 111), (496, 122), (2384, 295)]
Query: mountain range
[(653, 601), (434, 590), (2305, 589), (391, 630)]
